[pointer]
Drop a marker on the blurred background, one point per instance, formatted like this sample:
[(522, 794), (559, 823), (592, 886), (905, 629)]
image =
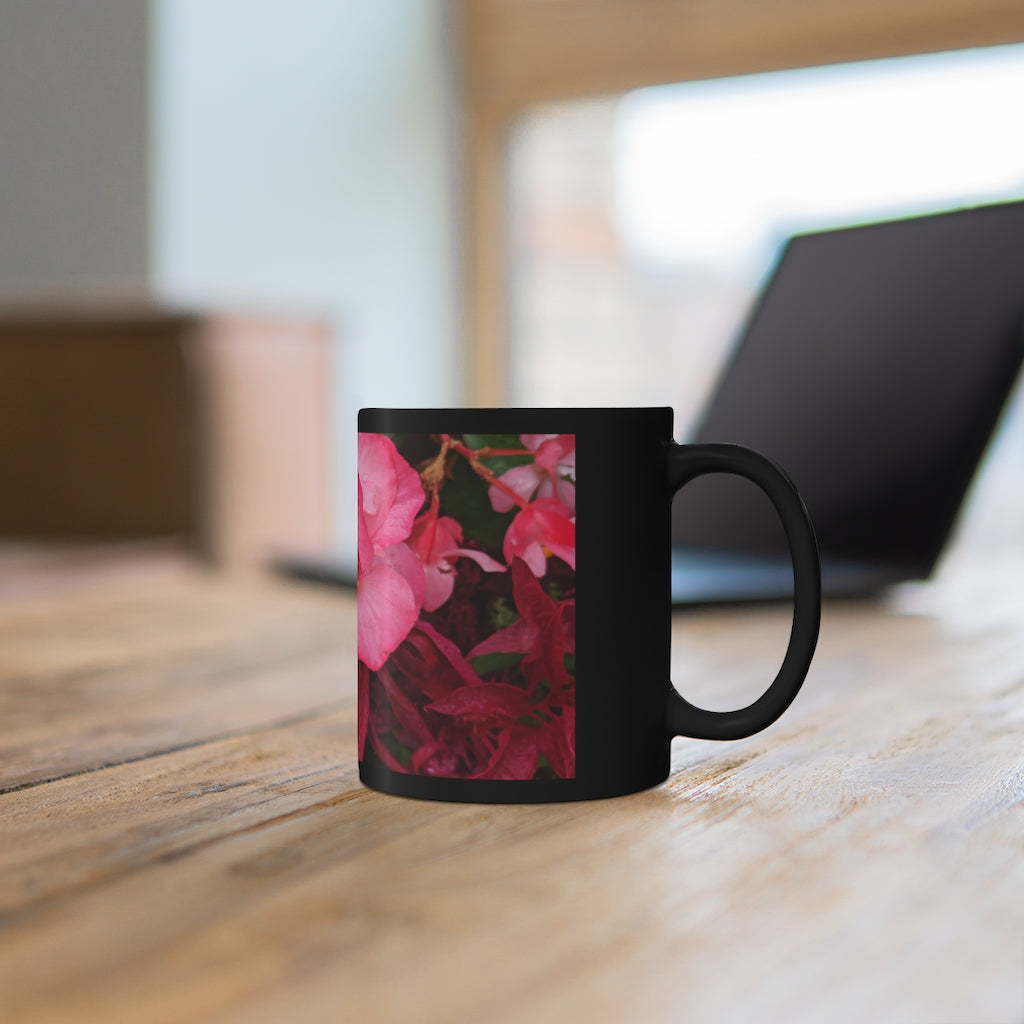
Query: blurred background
[(225, 226)]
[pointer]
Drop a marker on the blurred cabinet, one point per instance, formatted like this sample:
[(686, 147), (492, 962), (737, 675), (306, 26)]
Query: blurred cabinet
[(147, 424)]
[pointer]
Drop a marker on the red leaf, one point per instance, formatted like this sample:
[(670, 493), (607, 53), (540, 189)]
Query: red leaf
[(567, 612), (487, 702), (450, 653), (363, 713), (544, 633), (557, 742), (545, 659), (516, 756), (381, 750), (405, 711), (531, 602), (435, 759), (521, 636), (428, 665)]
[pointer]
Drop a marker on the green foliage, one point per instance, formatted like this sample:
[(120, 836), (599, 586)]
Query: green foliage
[(498, 464), (496, 662), (402, 754), (503, 612), (478, 441), (464, 497)]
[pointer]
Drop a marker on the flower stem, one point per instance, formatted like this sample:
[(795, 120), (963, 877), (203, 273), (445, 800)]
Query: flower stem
[(473, 458), (487, 453), (431, 533)]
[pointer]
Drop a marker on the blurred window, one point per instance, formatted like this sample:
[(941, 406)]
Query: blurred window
[(641, 225)]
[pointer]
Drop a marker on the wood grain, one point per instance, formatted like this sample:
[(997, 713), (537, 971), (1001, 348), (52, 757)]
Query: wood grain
[(181, 664), (860, 860)]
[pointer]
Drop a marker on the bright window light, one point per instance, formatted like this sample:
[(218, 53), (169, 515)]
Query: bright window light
[(718, 172), (641, 226)]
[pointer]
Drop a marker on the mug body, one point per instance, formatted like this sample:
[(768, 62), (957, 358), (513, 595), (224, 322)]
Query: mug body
[(514, 602)]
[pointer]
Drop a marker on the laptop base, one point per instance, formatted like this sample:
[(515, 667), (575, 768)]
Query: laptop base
[(721, 577)]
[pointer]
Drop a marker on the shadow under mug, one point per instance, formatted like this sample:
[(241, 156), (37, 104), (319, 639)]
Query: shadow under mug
[(514, 612)]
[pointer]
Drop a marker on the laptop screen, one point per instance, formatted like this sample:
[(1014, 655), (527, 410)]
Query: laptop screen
[(873, 369)]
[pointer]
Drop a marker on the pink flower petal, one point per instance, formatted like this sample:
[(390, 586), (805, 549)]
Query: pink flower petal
[(566, 552), (404, 561), (365, 543), (534, 441), (388, 606), (485, 562), (433, 537), (549, 454), (523, 480), (437, 544), (543, 524), (390, 490), (436, 539), (565, 492), (440, 582), (533, 555)]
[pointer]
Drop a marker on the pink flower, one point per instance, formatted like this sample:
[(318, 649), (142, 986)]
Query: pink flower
[(391, 582), (555, 459), (436, 540), (390, 494), (390, 595), (543, 528)]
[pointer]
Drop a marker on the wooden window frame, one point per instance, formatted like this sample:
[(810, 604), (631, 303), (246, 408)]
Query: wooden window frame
[(517, 53)]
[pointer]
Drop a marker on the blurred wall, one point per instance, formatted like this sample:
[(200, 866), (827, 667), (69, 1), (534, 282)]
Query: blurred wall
[(73, 147), (253, 155), (304, 157)]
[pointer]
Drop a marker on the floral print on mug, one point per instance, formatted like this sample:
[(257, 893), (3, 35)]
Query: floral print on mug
[(466, 633)]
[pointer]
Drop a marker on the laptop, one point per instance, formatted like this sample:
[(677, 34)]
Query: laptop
[(874, 369)]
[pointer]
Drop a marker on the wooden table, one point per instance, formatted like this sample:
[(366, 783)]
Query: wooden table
[(183, 836)]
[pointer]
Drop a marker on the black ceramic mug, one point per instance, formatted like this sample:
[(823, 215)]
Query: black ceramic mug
[(514, 611)]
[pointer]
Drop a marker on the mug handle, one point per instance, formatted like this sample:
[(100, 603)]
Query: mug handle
[(685, 462)]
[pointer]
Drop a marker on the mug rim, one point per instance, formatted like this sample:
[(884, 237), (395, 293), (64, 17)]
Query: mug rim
[(514, 419)]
